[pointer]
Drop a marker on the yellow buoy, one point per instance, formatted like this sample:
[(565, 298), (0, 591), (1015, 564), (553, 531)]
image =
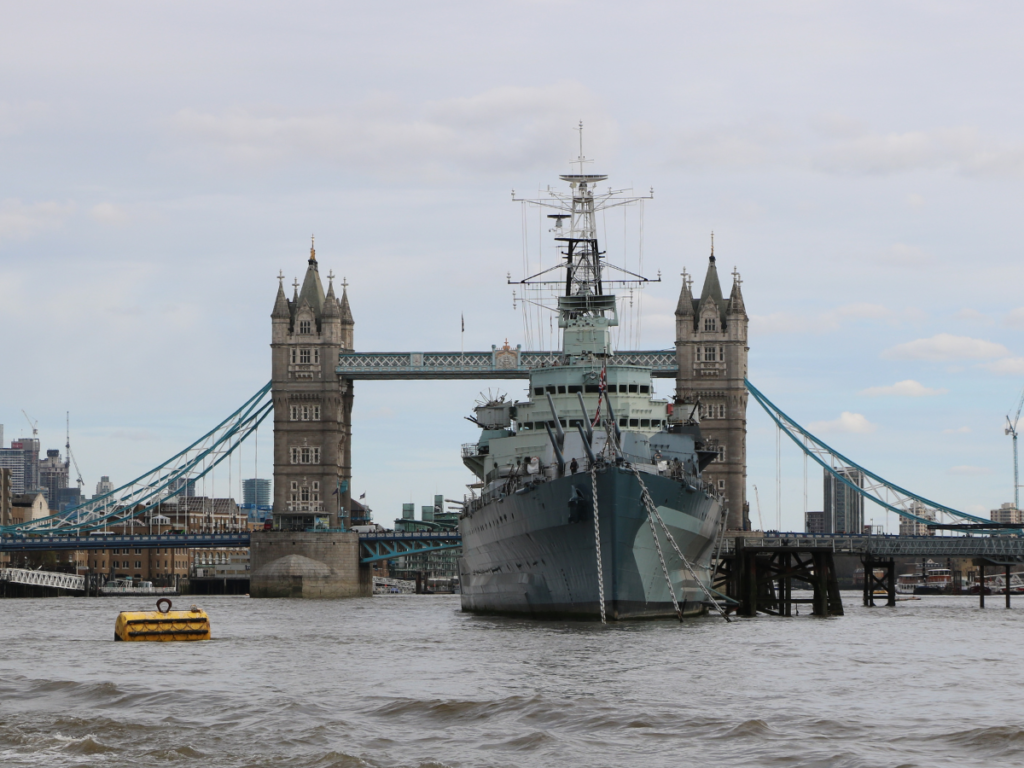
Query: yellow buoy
[(163, 624)]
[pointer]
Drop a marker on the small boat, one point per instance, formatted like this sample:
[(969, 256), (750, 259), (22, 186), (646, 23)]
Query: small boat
[(937, 581), (128, 586), (906, 583)]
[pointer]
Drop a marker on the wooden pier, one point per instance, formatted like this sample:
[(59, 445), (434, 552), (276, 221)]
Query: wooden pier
[(760, 579)]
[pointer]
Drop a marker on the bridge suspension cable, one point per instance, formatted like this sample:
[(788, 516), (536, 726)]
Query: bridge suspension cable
[(875, 488), (136, 498)]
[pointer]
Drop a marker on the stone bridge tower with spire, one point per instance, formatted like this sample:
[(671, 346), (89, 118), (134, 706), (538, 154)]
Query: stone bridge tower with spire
[(312, 406), (711, 350)]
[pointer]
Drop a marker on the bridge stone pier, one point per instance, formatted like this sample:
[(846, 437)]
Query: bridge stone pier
[(310, 565)]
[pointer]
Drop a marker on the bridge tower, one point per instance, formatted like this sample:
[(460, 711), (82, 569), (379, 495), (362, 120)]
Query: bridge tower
[(711, 350), (312, 406)]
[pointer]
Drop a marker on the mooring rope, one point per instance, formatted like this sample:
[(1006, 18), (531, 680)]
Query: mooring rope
[(597, 542)]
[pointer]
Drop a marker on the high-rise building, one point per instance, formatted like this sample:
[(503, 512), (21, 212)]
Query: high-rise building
[(104, 486), (312, 405), (30, 446), (6, 500), (53, 477), (711, 351), (844, 507), (182, 487), (1007, 513), (14, 460), (913, 527), (817, 522), (256, 490)]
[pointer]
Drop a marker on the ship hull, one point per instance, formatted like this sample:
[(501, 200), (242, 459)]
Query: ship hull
[(533, 552)]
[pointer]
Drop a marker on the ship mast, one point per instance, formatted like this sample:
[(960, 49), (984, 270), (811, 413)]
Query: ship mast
[(583, 301)]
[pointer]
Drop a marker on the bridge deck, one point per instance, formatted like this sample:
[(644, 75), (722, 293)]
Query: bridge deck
[(496, 364)]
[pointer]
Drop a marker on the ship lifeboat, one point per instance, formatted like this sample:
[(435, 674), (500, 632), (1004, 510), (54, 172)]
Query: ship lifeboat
[(163, 624)]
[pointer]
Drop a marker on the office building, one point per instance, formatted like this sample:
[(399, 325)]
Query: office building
[(104, 486), (844, 506), (256, 490), (817, 522), (53, 477), (1007, 513), (13, 459), (913, 527)]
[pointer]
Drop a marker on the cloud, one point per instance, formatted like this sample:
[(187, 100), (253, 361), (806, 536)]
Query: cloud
[(847, 422), (906, 255), (945, 346), (21, 221), (108, 213), (747, 145), (967, 469), (957, 431), (16, 118), (832, 320), (961, 149), (1008, 366), (1015, 318), (780, 322), (972, 315), (497, 130), (908, 388), (915, 201)]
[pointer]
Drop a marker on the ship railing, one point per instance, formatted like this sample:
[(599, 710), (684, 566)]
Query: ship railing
[(470, 450)]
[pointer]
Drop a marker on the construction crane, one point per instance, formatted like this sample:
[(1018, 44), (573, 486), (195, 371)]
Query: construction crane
[(1011, 429), (33, 424), (67, 447), (757, 496)]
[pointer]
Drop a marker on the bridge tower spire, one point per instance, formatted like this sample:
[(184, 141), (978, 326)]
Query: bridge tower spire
[(312, 406), (711, 351)]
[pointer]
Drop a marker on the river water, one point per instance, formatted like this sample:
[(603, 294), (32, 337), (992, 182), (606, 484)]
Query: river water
[(412, 681)]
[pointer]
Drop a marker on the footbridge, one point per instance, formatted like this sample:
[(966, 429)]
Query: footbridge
[(68, 581), (992, 547)]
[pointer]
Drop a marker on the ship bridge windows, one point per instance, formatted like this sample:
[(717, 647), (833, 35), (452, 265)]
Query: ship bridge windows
[(561, 389), (574, 388), (551, 388), (592, 388), (645, 389), (538, 390), (633, 388), (645, 422), (634, 422)]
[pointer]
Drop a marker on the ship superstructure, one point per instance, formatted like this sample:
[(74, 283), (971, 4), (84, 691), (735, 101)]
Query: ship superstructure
[(591, 502)]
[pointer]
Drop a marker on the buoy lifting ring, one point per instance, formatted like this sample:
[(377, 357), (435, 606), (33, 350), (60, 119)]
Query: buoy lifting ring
[(160, 602)]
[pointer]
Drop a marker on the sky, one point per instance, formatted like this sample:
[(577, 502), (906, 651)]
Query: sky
[(860, 164)]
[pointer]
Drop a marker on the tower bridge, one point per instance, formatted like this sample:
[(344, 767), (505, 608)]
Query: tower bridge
[(314, 370)]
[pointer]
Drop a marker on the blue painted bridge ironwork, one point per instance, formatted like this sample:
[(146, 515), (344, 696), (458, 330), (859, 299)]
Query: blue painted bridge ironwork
[(54, 543), (500, 363), (373, 547)]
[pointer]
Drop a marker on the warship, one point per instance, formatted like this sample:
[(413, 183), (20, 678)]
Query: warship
[(589, 501)]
